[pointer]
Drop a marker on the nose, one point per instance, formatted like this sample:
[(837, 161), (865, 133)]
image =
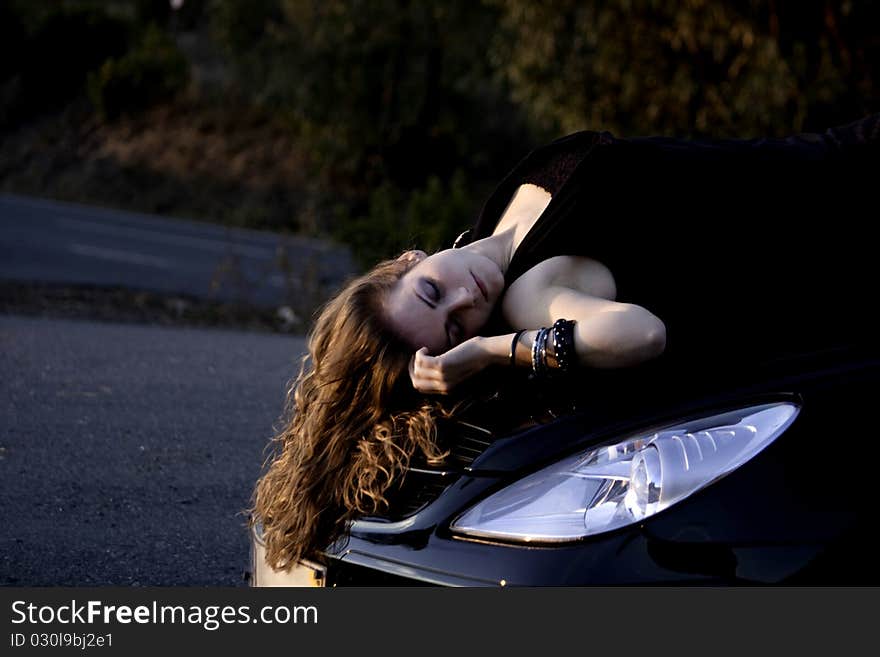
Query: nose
[(462, 298)]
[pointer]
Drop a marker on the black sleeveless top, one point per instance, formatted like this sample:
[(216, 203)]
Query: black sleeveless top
[(740, 246)]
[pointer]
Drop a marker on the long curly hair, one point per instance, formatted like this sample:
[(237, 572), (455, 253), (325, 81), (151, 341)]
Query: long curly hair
[(352, 422)]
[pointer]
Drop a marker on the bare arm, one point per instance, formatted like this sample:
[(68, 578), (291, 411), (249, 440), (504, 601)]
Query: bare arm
[(576, 272), (608, 334)]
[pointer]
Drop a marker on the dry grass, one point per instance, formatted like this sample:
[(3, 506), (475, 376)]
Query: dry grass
[(224, 164)]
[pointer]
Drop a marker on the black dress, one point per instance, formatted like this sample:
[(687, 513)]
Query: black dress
[(742, 247)]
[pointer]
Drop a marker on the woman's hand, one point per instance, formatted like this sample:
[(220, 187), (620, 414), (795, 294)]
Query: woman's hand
[(440, 374)]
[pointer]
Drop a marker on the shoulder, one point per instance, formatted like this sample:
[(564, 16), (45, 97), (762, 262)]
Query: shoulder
[(579, 273)]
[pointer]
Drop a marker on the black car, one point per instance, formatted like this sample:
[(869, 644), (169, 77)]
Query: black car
[(705, 471), (743, 454)]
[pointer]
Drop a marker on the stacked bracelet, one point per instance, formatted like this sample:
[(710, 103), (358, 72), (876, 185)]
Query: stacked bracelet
[(539, 352), (560, 355)]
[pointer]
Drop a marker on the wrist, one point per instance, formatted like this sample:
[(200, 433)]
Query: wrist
[(496, 348)]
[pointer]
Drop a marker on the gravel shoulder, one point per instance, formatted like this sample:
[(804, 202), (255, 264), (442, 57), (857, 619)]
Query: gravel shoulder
[(130, 306)]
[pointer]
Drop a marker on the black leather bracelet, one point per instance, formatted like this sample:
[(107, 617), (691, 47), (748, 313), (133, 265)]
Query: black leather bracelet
[(512, 355)]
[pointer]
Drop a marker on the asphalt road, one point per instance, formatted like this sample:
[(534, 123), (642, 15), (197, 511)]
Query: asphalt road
[(127, 453), (50, 241)]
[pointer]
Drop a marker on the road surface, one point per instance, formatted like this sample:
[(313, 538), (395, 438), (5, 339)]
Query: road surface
[(50, 241), (127, 453)]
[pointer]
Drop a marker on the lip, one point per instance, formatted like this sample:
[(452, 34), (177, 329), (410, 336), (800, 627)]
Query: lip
[(480, 285)]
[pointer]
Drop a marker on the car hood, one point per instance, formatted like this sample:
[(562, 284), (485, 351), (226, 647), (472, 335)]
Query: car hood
[(511, 425)]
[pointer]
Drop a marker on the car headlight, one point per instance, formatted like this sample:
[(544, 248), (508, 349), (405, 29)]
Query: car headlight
[(623, 483)]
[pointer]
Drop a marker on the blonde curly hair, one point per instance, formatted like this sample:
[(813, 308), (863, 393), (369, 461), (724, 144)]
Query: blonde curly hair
[(352, 423)]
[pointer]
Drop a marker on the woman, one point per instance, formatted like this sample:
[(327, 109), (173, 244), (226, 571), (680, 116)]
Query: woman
[(442, 302), (534, 291)]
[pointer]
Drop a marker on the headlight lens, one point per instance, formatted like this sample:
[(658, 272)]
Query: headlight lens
[(616, 485)]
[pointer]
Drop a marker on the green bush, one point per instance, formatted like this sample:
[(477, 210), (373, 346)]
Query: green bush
[(428, 218), (153, 71)]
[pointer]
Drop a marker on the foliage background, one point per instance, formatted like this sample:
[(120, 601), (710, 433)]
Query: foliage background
[(386, 123)]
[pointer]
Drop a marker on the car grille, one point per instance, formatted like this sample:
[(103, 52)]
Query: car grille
[(424, 484), (506, 410), (470, 441), (417, 492)]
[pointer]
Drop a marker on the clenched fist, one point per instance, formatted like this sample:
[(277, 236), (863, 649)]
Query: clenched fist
[(440, 374)]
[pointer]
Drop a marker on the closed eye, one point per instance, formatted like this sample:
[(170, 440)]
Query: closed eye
[(431, 290)]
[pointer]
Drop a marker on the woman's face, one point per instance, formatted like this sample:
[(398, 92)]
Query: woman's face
[(444, 299)]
